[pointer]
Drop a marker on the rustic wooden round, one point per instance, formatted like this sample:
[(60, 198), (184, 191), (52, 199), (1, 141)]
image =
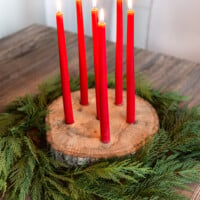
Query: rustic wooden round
[(82, 139)]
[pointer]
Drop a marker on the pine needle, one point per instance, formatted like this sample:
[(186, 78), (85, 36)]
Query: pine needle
[(167, 162)]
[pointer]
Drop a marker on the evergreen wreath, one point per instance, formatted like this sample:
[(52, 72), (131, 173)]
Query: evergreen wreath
[(167, 162)]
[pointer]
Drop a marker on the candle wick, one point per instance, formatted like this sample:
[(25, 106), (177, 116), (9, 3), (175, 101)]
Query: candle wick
[(130, 4), (94, 4), (59, 6), (101, 18)]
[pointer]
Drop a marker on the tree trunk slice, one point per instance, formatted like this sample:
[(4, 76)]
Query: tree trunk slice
[(80, 142)]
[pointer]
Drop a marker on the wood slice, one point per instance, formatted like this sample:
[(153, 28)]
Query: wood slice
[(80, 142)]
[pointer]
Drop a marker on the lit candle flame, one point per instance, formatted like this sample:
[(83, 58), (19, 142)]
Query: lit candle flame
[(130, 4), (101, 15), (59, 5), (94, 5)]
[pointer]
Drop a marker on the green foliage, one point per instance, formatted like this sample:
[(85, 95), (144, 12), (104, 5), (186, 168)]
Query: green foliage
[(167, 162)]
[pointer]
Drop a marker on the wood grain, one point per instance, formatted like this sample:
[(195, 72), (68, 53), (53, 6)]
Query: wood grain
[(31, 55), (82, 139)]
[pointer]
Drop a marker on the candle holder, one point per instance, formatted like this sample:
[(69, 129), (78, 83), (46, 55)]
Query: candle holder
[(80, 143)]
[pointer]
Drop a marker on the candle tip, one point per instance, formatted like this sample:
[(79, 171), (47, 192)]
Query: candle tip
[(101, 18), (94, 4), (59, 5)]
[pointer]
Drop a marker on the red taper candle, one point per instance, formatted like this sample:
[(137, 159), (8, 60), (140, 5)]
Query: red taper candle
[(94, 13), (119, 55), (64, 70), (130, 66), (82, 54), (104, 114)]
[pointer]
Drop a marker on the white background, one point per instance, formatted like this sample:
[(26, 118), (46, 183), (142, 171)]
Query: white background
[(17, 14), (175, 28), (170, 27)]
